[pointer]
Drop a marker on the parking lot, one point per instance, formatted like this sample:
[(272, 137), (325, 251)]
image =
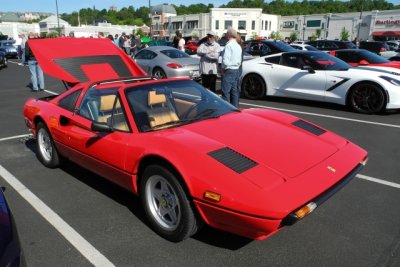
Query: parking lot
[(72, 217)]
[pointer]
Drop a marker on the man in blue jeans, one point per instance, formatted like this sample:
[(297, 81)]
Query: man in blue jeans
[(34, 68), (231, 61)]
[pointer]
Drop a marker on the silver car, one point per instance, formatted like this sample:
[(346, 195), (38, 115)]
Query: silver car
[(166, 62)]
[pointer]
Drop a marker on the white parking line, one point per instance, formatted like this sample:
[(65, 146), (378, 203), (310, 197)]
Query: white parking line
[(83, 246), (14, 137), (379, 181), (322, 115)]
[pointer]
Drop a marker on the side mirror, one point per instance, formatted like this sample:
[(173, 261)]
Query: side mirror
[(308, 68), (363, 62), (101, 127)]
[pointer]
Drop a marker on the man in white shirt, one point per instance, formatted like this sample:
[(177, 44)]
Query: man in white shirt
[(181, 43), (231, 61)]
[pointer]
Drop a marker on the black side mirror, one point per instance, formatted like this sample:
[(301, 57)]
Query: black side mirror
[(101, 127), (308, 68)]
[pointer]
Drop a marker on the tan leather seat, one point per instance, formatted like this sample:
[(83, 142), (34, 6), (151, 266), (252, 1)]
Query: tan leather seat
[(160, 111), (106, 106)]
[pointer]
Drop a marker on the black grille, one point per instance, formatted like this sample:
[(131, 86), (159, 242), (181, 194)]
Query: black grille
[(309, 127), (233, 160)]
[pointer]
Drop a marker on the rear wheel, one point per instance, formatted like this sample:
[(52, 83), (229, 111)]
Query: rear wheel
[(159, 73), (166, 204), (45, 148), (253, 86), (367, 98)]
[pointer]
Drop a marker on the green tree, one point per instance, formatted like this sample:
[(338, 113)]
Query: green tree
[(318, 33), (344, 34), (276, 36), (293, 37)]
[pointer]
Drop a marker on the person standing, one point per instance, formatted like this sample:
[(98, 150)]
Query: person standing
[(231, 61), (181, 43), (209, 53), (37, 77)]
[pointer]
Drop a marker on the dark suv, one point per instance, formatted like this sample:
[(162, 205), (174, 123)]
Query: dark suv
[(374, 46), (266, 47), (329, 45)]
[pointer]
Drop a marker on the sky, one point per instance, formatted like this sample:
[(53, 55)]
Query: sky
[(69, 6)]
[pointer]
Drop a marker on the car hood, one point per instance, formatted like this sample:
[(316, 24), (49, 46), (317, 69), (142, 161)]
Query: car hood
[(77, 60), (383, 69), (288, 149)]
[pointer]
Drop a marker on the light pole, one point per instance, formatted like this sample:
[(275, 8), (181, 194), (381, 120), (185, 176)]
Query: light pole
[(359, 24), (58, 20), (151, 20), (304, 26)]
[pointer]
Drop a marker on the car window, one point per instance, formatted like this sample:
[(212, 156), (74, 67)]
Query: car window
[(104, 105), (145, 54), (68, 102), (173, 103), (174, 53), (294, 60), (348, 56), (274, 60)]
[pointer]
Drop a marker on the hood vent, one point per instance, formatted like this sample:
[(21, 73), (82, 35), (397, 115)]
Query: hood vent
[(308, 127), (233, 160)]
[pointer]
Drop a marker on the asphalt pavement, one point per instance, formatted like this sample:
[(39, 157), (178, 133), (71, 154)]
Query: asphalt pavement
[(86, 216)]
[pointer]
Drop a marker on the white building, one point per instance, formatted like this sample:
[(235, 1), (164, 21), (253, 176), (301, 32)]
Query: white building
[(250, 22)]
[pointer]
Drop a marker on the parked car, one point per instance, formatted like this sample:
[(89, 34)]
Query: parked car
[(304, 47), (9, 49), (155, 137), (380, 48), (329, 45), (362, 57), (3, 60), (266, 47), (191, 47), (393, 45), (166, 62), (319, 76), (10, 249)]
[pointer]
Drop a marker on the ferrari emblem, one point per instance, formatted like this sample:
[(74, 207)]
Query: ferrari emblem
[(331, 169)]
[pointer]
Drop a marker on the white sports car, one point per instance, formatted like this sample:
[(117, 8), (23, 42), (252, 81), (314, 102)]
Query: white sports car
[(319, 76)]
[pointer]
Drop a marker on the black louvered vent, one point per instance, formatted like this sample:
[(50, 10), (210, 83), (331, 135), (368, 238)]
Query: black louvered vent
[(309, 127), (233, 160)]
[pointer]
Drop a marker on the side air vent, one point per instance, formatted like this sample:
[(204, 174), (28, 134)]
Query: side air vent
[(232, 159), (309, 127)]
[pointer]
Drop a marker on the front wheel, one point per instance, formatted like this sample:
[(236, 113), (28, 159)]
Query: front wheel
[(367, 98), (166, 204), (45, 148), (253, 86)]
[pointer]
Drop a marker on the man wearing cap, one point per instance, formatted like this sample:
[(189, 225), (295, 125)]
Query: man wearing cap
[(209, 53), (231, 61)]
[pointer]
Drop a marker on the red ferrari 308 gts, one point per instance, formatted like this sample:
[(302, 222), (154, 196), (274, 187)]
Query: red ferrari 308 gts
[(362, 57), (191, 157)]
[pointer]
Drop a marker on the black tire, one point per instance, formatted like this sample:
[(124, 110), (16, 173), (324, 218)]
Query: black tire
[(159, 73), (367, 98), (46, 151), (166, 204), (253, 86)]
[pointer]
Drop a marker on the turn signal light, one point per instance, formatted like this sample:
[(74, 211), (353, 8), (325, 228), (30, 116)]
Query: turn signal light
[(212, 196), (304, 211), (364, 161)]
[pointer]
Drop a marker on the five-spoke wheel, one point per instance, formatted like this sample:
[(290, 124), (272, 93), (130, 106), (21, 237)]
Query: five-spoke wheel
[(45, 148), (367, 98), (166, 204), (253, 86)]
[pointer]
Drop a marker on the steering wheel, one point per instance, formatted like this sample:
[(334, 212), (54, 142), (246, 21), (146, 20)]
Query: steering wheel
[(190, 110)]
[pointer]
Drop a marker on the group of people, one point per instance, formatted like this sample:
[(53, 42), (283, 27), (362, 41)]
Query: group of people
[(232, 58)]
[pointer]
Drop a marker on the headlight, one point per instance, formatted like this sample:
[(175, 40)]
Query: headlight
[(391, 80)]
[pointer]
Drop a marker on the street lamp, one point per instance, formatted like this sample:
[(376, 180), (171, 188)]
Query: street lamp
[(58, 20), (304, 26), (359, 24), (151, 19)]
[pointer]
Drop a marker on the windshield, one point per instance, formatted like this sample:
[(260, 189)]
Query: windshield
[(324, 61), (174, 103), (174, 53), (372, 57)]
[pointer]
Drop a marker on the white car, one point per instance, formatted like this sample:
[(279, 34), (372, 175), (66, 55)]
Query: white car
[(319, 76), (305, 47)]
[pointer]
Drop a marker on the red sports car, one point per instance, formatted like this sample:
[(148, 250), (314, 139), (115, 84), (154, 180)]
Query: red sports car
[(191, 157), (362, 57), (191, 46)]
